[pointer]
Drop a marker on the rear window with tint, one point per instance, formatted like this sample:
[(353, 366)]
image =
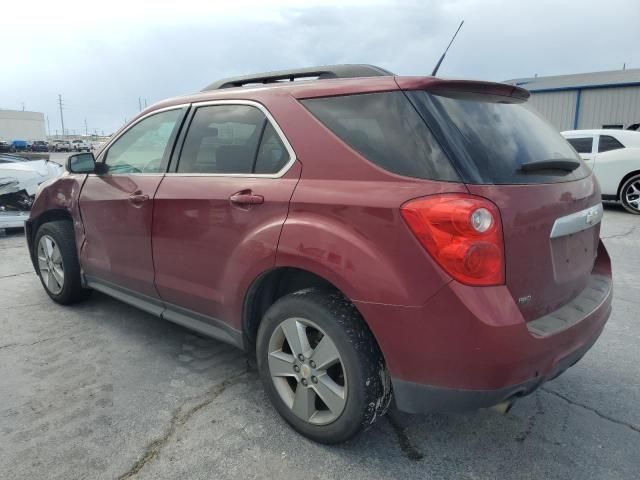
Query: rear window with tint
[(386, 129), (582, 144), (490, 138)]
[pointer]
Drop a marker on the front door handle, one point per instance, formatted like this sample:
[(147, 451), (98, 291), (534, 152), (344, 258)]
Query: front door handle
[(137, 198), (246, 197)]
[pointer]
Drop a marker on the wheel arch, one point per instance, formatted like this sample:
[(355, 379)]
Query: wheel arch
[(274, 284)]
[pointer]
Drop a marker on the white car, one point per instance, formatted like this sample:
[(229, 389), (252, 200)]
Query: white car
[(614, 157), (19, 182), (80, 145), (60, 146)]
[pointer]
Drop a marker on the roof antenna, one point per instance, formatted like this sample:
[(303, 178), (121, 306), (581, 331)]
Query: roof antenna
[(435, 70)]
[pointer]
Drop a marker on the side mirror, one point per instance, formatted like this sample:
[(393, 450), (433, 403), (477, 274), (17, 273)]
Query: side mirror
[(81, 163)]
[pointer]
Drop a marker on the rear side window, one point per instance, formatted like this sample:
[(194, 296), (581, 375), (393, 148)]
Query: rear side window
[(608, 143), (232, 139), (386, 129), (492, 137), (582, 145)]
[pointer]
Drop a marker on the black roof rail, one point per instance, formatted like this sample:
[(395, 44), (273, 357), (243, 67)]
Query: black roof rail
[(322, 72)]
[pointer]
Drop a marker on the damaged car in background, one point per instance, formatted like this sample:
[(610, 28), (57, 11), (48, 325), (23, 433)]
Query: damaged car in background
[(19, 182)]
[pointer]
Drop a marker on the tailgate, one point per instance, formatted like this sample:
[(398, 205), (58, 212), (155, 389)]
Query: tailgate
[(548, 199), (551, 234)]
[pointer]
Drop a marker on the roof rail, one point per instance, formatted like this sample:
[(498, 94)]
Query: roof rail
[(322, 72)]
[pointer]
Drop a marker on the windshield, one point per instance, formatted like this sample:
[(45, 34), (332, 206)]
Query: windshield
[(490, 138)]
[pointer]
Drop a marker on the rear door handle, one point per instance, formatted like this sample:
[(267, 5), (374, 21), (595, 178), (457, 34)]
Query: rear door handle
[(138, 198), (246, 198)]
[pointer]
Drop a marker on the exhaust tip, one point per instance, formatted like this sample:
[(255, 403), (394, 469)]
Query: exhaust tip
[(503, 407)]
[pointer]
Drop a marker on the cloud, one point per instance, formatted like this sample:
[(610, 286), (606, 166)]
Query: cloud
[(102, 62)]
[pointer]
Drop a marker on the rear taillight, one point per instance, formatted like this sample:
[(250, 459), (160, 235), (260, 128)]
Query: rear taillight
[(463, 233)]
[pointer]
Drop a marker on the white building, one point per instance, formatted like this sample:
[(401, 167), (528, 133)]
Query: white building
[(19, 125), (586, 100)]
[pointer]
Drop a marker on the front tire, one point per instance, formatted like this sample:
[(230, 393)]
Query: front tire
[(630, 195), (321, 367), (57, 262)]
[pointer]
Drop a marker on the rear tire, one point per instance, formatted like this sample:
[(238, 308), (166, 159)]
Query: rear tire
[(341, 380), (630, 195), (57, 263)]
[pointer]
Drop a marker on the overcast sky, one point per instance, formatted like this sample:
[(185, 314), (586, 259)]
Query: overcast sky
[(102, 59)]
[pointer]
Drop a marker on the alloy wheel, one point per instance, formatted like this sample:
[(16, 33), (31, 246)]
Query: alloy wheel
[(50, 264), (307, 371), (632, 195)]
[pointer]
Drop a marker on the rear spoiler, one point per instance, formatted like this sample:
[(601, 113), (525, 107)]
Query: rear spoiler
[(434, 84)]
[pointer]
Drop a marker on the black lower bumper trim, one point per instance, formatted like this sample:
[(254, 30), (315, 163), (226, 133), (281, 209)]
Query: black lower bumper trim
[(413, 397)]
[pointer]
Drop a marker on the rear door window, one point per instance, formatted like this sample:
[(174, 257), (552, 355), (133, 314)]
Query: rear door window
[(607, 143), (232, 139), (491, 137), (272, 154), (385, 129), (582, 144)]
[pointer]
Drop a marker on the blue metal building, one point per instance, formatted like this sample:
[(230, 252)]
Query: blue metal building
[(586, 100)]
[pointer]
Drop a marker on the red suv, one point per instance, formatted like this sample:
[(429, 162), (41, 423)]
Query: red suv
[(366, 235)]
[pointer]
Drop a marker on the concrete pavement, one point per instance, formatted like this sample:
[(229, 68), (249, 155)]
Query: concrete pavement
[(102, 390)]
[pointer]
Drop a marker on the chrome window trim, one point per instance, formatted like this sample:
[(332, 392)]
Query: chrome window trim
[(135, 174), (577, 222), (286, 167)]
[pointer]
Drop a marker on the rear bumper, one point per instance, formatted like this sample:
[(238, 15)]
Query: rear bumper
[(470, 347), (419, 398)]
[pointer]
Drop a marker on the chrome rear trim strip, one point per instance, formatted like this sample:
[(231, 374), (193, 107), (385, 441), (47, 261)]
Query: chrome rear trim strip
[(577, 222)]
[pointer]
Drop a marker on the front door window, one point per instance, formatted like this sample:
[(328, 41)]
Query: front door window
[(143, 148)]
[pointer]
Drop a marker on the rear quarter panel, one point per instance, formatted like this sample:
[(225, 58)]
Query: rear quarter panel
[(344, 221), (352, 234)]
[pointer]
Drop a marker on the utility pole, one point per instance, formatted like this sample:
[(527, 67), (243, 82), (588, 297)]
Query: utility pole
[(48, 126), (23, 106), (139, 104), (86, 129), (61, 116), (145, 103)]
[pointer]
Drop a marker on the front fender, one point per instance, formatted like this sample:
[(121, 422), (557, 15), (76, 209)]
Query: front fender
[(57, 199)]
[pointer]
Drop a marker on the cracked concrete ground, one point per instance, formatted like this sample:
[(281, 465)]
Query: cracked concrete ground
[(101, 390)]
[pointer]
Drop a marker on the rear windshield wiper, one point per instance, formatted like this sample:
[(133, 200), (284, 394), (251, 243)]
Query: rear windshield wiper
[(566, 164)]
